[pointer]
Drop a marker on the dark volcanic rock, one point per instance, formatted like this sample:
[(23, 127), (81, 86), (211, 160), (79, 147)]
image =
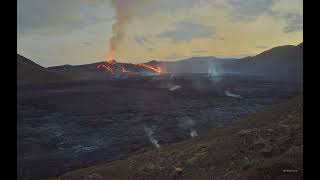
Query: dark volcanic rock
[(68, 126), (216, 154)]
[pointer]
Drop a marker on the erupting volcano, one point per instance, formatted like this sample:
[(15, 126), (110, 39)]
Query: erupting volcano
[(112, 66), (124, 10)]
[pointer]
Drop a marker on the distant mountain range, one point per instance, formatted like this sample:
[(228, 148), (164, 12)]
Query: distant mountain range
[(279, 63), (283, 63)]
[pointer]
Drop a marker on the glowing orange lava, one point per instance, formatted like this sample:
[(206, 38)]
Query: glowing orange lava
[(112, 66), (124, 70), (153, 68), (106, 67)]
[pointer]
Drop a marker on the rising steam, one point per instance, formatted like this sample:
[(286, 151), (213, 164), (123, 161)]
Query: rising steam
[(175, 87), (193, 133), (187, 123), (125, 10), (227, 93), (212, 72), (149, 133)]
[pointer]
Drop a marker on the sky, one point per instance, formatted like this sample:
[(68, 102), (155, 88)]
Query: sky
[(58, 32)]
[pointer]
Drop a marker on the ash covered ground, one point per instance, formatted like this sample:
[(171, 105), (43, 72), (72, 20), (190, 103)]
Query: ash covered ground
[(67, 126)]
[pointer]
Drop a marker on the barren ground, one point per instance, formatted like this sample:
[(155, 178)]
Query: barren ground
[(63, 127)]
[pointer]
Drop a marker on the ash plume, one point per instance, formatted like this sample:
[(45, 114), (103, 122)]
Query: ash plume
[(125, 10), (149, 133)]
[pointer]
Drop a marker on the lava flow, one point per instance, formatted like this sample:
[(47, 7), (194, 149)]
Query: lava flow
[(111, 66), (124, 70), (153, 68), (106, 67)]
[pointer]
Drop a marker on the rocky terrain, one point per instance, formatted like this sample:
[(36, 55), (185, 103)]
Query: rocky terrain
[(265, 145), (62, 127), (73, 117)]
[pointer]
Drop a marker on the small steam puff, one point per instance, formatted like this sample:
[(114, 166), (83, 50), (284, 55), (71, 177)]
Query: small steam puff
[(175, 87), (149, 133), (193, 133), (188, 123), (212, 72), (227, 93)]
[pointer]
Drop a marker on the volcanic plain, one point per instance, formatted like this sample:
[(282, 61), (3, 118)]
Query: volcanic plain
[(67, 126)]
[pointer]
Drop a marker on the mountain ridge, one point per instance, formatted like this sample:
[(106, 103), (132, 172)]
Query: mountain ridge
[(282, 63), (29, 72)]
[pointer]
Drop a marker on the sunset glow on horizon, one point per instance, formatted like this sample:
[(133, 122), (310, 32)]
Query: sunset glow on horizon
[(83, 31)]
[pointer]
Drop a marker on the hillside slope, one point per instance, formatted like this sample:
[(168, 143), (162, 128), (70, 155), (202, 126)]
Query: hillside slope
[(279, 63), (86, 71), (267, 145), (29, 72), (197, 65)]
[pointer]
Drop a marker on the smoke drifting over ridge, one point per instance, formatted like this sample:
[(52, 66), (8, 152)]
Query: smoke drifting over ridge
[(125, 10)]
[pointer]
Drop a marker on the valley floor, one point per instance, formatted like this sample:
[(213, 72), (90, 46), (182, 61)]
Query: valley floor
[(74, 125), (265, 145)]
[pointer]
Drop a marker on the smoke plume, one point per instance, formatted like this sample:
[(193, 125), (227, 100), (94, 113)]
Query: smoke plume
[(125, 10), (187, 123), (149, 133)]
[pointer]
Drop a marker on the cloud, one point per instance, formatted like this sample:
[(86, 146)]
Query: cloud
[(170, 6), (187, 31), (60, 31), (249, 9), (141, 40), (294, 22), (58, 16)]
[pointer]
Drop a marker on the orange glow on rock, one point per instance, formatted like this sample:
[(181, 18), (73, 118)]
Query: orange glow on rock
[(153, 68), (106, 67)]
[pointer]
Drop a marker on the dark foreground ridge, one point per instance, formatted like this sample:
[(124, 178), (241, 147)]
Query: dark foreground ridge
[(266, 145)]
